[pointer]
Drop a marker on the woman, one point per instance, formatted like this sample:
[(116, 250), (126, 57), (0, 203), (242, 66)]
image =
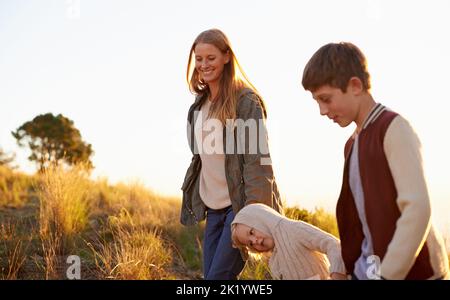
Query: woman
[(227, 171), (298, 248)]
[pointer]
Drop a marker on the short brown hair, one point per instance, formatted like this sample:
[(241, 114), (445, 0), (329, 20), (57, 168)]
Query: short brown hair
[(334, 64)]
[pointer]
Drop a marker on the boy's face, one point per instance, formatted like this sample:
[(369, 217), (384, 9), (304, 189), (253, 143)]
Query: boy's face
[(341, 108), (253, 239)]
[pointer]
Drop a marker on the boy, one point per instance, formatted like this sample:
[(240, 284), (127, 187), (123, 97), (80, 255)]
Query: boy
[(383, 211)]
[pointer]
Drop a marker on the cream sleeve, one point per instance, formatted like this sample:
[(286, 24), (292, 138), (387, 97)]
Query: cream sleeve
[(403, 152), (319, 240)]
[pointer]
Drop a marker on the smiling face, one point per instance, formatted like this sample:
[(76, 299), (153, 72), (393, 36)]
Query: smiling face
[(210, 62), (253, 239), (342, 108)]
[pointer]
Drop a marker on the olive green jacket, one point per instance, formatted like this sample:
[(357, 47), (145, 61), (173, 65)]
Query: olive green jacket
[(248, 180)]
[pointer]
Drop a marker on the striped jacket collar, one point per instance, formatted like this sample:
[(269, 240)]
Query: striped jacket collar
[(373, 115)]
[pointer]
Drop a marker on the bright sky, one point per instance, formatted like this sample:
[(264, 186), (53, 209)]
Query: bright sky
[(117, 69)]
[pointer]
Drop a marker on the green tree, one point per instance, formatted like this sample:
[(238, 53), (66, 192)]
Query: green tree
[(53, 140)]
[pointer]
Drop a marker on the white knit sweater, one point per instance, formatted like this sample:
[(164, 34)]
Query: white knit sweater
[(302, 251)]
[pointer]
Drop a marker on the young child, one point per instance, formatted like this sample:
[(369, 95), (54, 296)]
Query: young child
[(383, 211), (297, 247)]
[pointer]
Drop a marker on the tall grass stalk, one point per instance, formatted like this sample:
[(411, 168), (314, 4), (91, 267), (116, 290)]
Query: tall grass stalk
[(64, 201), (14, 250), (135, 252)]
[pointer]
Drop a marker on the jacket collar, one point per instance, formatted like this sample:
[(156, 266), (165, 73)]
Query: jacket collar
[(373, 115)]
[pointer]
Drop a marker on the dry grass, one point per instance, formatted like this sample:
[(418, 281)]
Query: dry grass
[(63, 213), (14, 187), (13, 254), (64, 201), (128, 220), (51, 250), (256, 268), (137, 199), (135, 252), (320, 218)]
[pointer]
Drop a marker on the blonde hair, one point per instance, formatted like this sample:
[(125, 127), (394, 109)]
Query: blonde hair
[(235, 243), (234, 240), (233, 78)]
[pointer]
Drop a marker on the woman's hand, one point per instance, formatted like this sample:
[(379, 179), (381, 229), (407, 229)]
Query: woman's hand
[(338, 276)]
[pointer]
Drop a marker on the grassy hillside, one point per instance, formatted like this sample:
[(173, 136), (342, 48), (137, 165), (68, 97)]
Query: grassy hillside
[(121, 231)]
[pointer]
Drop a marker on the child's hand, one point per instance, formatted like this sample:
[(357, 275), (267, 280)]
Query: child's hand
[(338, 276)]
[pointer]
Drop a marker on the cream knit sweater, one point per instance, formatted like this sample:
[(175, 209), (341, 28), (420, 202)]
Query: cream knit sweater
[(302, 251)]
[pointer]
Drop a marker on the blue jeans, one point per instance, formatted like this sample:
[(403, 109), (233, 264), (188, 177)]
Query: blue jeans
[(220, 260)]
